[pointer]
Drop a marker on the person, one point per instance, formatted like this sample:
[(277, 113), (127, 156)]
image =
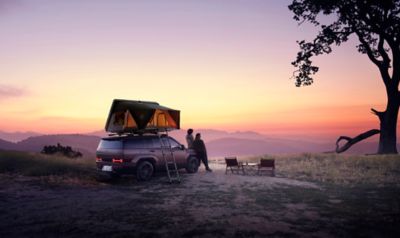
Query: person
[(201, 152), (189, 138)]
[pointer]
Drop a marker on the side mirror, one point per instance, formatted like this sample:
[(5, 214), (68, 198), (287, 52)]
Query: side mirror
[(182, 147)]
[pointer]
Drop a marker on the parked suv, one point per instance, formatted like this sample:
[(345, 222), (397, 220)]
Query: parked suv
[(141, 155)]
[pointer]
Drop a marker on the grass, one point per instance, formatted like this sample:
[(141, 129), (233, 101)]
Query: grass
[(36, 164), (337, 169), (356, 196), (332, 168)]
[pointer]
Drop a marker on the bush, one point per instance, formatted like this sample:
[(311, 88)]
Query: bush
[(62, 150)]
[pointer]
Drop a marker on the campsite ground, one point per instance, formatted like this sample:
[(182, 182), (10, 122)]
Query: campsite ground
[(295, 203)]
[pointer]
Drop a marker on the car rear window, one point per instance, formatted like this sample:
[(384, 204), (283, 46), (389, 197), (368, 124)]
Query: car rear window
[(110, 144)]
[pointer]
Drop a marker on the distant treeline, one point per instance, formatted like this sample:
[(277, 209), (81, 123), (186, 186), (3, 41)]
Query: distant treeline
[(59, 149)]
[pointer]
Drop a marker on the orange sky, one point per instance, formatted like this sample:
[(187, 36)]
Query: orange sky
[(225, 65)]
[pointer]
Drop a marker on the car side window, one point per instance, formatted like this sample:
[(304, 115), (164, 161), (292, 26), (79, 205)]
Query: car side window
[(148, 143), (134, 144), (164, 142), (174, 144)]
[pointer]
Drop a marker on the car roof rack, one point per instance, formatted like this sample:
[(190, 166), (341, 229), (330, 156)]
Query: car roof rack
[(153, 131)]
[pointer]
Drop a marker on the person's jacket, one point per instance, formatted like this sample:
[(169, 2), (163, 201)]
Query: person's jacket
[(189, 140), (200, 147)]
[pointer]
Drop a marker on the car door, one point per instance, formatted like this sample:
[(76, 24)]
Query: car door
[(133, 148), (178, 151)]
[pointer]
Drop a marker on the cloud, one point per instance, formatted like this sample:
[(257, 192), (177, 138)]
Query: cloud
[(7, 91)]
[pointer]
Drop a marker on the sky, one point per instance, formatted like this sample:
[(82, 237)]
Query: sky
[(224, 63)]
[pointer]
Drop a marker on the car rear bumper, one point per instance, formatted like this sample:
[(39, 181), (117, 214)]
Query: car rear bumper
[(118, 168)]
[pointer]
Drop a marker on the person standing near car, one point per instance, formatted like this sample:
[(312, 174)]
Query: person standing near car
[(189, 138), (201, 152)]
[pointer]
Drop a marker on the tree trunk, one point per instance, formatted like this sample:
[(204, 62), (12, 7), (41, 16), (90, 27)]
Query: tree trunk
[(388, 126)]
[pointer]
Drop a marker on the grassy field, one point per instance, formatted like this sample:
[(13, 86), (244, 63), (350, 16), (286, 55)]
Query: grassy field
[(337, 169), (312, 195), (330, 168), (48, 167)]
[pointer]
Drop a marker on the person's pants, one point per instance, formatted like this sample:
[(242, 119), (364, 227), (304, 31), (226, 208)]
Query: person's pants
[(204, 160)]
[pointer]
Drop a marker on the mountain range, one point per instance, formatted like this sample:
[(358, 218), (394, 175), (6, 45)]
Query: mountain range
[(219, 143), (16, 136)]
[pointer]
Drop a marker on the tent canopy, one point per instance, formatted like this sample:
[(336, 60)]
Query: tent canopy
[(132, 116)]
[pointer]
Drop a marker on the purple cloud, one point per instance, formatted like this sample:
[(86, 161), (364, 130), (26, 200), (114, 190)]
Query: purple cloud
[(7, 91)]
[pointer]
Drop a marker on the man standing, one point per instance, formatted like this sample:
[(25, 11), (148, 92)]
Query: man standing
[(189, 138), (201, 152)]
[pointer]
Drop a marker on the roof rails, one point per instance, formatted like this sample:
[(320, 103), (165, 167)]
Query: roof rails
[(154, 131)]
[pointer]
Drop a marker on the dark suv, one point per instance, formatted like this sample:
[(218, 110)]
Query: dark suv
[(141, 155)]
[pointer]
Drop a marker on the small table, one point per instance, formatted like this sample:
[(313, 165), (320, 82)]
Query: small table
[(250, 168)]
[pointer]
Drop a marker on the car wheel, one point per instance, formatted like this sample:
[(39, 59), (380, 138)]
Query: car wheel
[(192, 165), (144, 171)]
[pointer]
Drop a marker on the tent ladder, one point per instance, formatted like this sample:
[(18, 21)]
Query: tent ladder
[(169, 159)]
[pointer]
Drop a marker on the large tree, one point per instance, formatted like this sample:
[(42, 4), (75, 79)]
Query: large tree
[(376, 24)]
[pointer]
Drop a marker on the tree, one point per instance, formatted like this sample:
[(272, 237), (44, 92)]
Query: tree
[(376, 24)]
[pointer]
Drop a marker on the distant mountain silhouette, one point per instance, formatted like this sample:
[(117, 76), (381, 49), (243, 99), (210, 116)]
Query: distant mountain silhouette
[(85, 144), (210, 135), (218, 142), (100, 133), (17, 136), (6, 145), (236, 146)]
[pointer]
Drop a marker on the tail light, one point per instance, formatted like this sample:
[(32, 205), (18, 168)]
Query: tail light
[(115, 160), (98, 159)]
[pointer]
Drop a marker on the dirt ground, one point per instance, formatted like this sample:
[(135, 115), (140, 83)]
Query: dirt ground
[(202, 205)]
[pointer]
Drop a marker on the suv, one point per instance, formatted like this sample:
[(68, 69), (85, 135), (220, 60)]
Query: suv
[(141, 155)]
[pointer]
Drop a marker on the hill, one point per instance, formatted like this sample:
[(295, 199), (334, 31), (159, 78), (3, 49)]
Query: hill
[(17, 136), (83, 143), (6, 145), (218, 142)]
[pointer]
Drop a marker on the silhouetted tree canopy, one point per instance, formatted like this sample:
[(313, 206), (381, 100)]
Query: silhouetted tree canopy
[(376, 24), (63, 150)]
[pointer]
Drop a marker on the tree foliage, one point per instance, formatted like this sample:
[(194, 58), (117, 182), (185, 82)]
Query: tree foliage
[(62, 150), (376, 24)]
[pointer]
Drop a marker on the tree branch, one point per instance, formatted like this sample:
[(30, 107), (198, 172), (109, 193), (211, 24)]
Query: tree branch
[(382, 52), (380, 64), (377, 113), (351, 141), (368, 49)]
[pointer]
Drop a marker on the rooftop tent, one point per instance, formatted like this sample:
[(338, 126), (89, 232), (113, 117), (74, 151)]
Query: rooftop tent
[(131, 116)]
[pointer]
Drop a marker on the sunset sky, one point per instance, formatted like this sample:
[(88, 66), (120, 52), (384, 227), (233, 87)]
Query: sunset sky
[(224, 63)]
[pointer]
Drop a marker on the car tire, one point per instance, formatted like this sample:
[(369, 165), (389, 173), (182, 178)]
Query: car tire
[(192, 165), (144, 171)]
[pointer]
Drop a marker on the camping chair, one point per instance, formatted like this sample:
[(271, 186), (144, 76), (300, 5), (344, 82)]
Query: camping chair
[(233, 165), (266, 165)]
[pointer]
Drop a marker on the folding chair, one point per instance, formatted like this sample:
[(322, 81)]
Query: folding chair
[(233, 165), (266, 165)]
